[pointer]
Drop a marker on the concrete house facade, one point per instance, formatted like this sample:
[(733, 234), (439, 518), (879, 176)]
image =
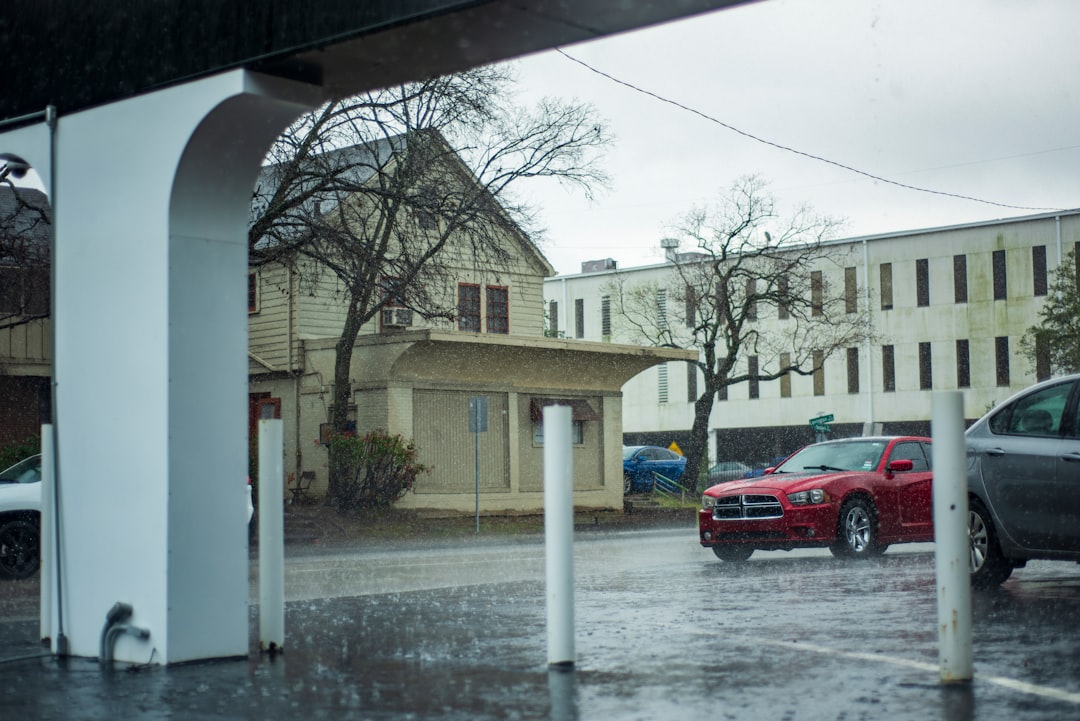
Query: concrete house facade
[(414, 378), (946, 307)]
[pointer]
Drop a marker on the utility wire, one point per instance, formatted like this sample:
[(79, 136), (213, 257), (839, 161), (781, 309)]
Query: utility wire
[(789, 149)]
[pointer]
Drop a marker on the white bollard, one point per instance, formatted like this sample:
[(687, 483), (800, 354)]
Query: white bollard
[(47, 539), (271, 536), (559, 535), (952, 543)]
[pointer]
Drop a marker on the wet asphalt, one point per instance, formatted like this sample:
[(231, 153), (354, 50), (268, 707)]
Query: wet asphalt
[(663, 631)]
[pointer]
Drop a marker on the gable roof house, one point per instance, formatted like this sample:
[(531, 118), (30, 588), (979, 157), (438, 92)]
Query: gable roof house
[(25, 358), (478, 330)]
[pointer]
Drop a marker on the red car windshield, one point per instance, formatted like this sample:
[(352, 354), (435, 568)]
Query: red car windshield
[(846, 456)]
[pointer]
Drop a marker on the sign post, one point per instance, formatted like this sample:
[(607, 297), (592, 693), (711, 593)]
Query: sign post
[(478, 417), (820, 426)]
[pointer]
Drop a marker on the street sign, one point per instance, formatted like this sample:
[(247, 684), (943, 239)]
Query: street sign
[(822, 419), (478, 414)]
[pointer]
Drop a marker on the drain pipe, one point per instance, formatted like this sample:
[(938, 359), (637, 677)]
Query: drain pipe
[(115, 626)]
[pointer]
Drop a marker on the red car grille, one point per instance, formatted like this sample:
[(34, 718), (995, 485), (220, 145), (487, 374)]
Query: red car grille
[(749, 506)]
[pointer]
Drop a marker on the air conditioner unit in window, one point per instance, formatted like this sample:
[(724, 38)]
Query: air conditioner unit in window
[(396, 317)]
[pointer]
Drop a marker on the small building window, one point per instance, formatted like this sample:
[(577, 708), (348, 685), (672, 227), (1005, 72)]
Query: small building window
[(782, 291), (851, 290), (852, 370), (1042, 358), (253, 292), (785, 380), (959, 269), (553, 319), (922, 282), (926, 369), (1001, 360), (751, 298), (752, 381), (817, 291), (498, 310), (1000, 279), (691, 382), (963, 364), (819, 373), (579, 318), (1038, 269), (886, 286), (888, 368), (469, 307)]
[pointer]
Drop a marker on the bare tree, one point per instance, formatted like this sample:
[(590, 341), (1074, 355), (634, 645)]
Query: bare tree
[(393, 189), (746, 262), (24, 252)]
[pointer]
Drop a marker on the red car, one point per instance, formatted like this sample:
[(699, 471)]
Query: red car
[(855, 496)]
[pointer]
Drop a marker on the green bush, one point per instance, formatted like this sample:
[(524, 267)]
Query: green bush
[(373, 471), (14, 452)]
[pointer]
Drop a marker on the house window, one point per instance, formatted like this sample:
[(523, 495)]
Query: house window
[(819, 373), (922, 282), (579, 318), (963, 364), (553, 319), (888, 368), (886, 286), (1038, 268), (605, 316), (752, 371), (253, 293), (959, 274), (1001, 359), (577, 433), (691, 307), (468, 307), (782, 286), (1000, 290), (785, 380), (852, 370), (751, 298), (851, 291), (393, 295), (661, 383), (498, 310), (691, 382), (817, 289), (926, 370)]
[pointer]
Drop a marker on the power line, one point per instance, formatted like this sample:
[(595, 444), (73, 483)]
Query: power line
[(787, 148)]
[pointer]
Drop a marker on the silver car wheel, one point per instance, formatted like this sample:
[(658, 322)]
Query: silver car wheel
[(857, 529), (980, 540)]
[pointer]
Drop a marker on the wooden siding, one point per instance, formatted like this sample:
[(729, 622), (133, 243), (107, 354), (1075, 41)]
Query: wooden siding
[(268, 327), (26, 343), (448, 448)]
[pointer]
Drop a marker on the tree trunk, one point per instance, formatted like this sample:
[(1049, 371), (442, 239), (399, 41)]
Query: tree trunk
[(699, 439), (339, 417)]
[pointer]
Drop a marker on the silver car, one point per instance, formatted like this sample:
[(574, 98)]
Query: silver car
[(1023, 461)]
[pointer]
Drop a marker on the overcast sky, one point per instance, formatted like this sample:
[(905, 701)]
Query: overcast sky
[(972, 97)]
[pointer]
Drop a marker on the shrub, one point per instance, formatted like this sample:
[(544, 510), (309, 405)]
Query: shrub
[(373, 471), (14, 452)]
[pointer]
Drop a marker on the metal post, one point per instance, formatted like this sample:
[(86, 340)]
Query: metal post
[(271, 536), (47, 534), (559, 535), (952, 549), (476, 435)]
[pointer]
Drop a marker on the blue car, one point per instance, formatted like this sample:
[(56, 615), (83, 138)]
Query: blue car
[(641, 462)]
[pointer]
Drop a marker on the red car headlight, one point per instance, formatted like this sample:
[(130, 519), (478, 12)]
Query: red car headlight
[(812, 497)]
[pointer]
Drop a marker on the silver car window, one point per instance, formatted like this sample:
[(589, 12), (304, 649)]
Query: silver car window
[(1036, 414)]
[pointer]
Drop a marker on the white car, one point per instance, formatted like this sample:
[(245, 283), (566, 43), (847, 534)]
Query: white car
[(20, 512), (20, 518)]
